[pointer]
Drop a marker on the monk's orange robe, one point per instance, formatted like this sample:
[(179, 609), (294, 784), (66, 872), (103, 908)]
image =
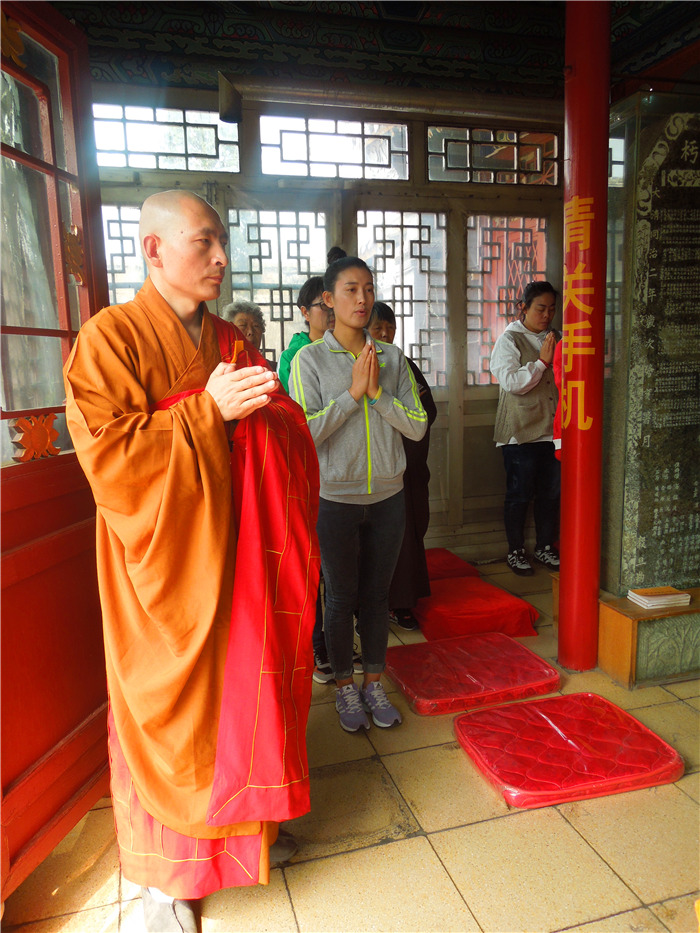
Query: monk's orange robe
[(208, 572)]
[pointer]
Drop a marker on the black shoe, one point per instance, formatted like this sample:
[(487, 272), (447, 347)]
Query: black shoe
[(283, 849), (548, 556), (176, 917), (405, 619), (357, 665), (323, 672), (519, 564)]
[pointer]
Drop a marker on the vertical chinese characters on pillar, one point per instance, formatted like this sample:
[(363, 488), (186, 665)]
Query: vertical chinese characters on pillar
[(579, 294)]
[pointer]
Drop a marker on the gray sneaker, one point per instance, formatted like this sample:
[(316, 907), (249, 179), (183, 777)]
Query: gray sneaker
[(375, 702), (350, 708)]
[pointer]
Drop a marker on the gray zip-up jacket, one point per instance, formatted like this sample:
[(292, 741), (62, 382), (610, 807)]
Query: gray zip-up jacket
[(360, 452)]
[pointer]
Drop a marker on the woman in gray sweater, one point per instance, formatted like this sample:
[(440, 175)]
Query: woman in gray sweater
[(359, 399)]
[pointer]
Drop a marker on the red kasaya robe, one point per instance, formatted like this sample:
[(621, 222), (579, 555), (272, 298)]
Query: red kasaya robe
[(208, 570)]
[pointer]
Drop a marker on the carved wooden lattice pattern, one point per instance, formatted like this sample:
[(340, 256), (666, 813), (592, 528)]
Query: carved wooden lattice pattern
[(407, 251), (503, 255)]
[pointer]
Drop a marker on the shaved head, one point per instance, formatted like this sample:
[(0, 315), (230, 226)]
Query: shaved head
[(184, 244), (161, 212)]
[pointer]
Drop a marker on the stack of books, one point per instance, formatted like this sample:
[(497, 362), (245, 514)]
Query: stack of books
[(659, 597)]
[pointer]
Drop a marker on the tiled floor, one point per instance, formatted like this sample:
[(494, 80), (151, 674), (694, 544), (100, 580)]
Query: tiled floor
[(404, 834)]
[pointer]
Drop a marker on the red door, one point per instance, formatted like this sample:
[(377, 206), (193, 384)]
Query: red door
[(54, 754)]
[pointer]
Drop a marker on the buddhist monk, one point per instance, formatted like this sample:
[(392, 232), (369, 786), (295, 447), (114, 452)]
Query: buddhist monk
[(206, 485)]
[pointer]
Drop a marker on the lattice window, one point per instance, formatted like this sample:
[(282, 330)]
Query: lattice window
[(503, 255), (44, 295), (272, 254), (502, 157), (333, 148), (408, 252), (164, 138), (126, 268), (616, 163)]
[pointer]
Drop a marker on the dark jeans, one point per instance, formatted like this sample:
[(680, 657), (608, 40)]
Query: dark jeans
[(317, 639), (360, 545), (532, 472)]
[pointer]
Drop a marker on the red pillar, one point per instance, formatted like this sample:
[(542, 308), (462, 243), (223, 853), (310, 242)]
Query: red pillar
[(585, 232)]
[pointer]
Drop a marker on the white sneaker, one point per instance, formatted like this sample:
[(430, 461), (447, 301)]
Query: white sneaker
[(519, 564), (548, 556)]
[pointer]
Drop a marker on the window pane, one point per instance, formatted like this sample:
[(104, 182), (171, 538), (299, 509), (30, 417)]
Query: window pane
[(377, 151), (530, 159), (168, 116), (154, 137), (21, 121), (616, 162), (143, 114), (28, 281), (272, 255), (408, 253), (109, 136), (201, 140), (42, 64), (294, 147), (32, 372), (202, 116), (503, 255), (493, 157), (126, 269), (165, 139), (503, 157), (111, 160), (107, 111), (142, 161), (547, 141), (328, 149)]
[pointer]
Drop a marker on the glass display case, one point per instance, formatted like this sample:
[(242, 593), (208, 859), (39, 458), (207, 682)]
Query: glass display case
[(651, 493)]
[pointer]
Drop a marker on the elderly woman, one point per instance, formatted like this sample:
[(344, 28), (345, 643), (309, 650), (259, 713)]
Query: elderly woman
[(522, 362), (248, 318)]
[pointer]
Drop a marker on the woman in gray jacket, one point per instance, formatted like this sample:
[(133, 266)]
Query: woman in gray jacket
[(522, 363), (359, 400)]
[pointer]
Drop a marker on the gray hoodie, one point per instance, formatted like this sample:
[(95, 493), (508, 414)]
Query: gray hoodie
[(360, 452)]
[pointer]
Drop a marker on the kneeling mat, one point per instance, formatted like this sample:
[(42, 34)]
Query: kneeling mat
[(470, 605), (443, 563), (563, 748), (470, 671)]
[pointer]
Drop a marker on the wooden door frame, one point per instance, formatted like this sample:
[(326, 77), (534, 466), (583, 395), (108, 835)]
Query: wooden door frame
[(54, 743)]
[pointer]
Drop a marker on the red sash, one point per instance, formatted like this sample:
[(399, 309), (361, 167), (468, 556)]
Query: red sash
[(261, 770)]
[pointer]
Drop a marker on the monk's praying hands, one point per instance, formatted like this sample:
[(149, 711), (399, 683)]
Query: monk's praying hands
[(238, 393)]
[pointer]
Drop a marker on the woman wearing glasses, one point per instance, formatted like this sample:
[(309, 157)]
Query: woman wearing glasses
[(317, 316)]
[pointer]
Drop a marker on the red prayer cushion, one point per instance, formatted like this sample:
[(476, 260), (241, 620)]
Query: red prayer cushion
[(468, 605), (544, 752), (469, 671), (442, 564)]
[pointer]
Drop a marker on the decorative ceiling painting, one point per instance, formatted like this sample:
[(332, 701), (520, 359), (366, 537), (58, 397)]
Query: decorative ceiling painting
[(513, 49)]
